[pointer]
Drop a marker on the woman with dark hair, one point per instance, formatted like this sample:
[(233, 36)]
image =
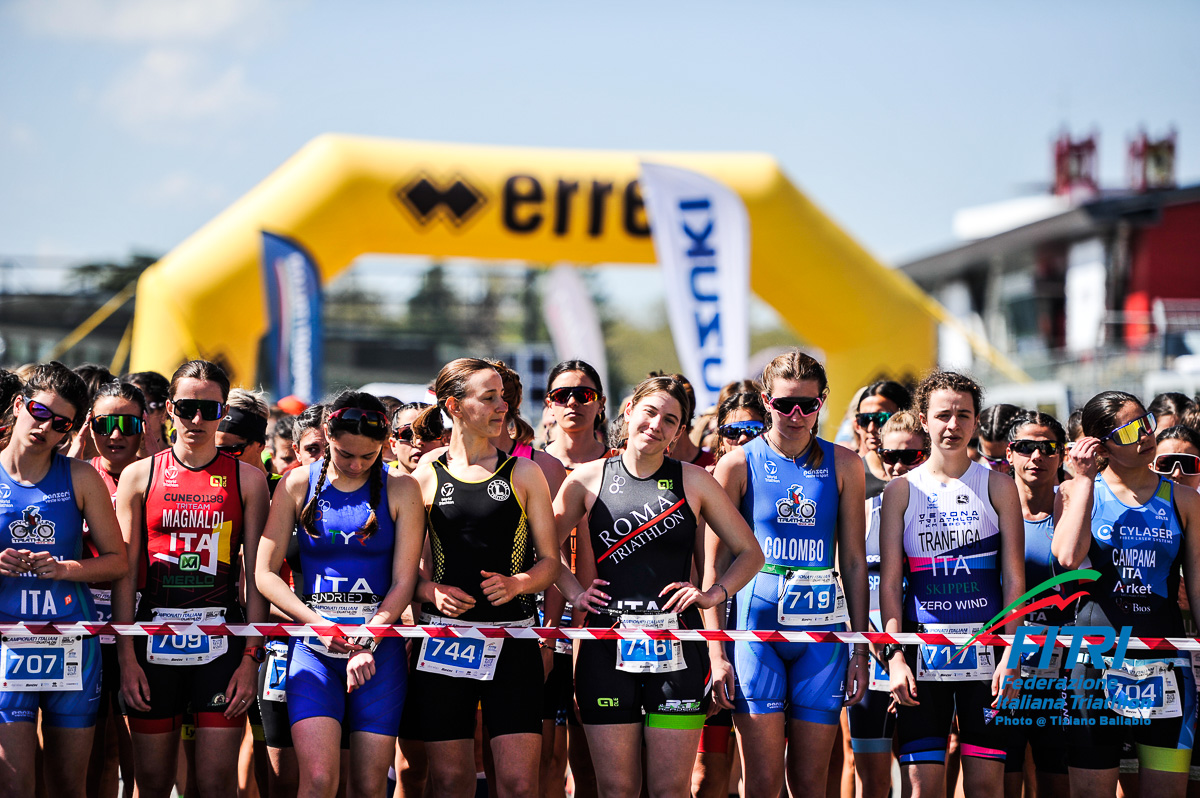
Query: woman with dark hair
[(408, 445), (360, 529), (804, 499), (155, 388), (739, 420), (639, 572), (1140, 532), (994, 422), (1036, 446), (1169, 409), (575, 398), (114, 428), (186, 513), (877, 403), (45, 499), (949, 527), (1178, 455), (491, 530)]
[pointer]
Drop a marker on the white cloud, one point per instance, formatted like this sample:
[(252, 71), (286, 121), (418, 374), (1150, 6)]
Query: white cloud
[(183, 188), (139, 21), (169, 87)]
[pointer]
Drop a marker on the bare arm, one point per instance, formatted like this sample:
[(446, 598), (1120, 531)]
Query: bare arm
[(129, 508), (1073, 506), (257, 500), (97, 508), (281, 521), (852, 539), (408, 513)]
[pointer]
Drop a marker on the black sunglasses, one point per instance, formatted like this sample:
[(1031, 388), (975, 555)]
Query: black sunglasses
[(995, 462), (209, 409), (1026, 448), (1188, 464), (878, 418), (580, 393), (739, 429), (42, 413), (235, 449), (370, 419), (787, 405), (106, 425), (404, 434), (908, 457)]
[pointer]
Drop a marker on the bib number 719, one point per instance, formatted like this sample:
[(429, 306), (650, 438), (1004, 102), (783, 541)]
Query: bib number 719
[(806, 598)]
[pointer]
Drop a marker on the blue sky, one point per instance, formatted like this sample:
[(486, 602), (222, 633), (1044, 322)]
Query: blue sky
[(130, 123)]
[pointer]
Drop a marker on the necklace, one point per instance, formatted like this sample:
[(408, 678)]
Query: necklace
[(775, 445)]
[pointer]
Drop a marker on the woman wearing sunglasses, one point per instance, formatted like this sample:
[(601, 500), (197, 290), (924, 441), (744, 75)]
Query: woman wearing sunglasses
[(1036, 445), (1139, 531), (1178, 455), (952, 529), (191, 516), (491, 530), (903, 446), (359, 529), (115, 427), (739, 420), (575, 399), (408, 446), (45, 499), (804, 498), (879, 401), (643, 538)]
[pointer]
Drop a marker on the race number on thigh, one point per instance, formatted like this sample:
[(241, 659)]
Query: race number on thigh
[(647, 655), (35, 663), (187, 649), (275, 685), (811, 598), (1144, 689), (952, 663)]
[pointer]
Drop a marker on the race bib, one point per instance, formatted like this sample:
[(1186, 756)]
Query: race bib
[(460, 657), (1144, 689), (650, 656), (275, 665), (947, 664), (811, 598), (35, 663), (102, 601), (187, 649), (880, 682), (348, 612), (1050, 672)]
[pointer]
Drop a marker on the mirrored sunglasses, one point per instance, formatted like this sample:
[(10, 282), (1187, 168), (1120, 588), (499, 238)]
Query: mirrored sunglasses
[(739, 429), (865, 420), (1132, 431), (580, 393), (908, 457), (1165, 464), (1026, 448), (42, 413), (106, 425), (209, 409), (788, 405)]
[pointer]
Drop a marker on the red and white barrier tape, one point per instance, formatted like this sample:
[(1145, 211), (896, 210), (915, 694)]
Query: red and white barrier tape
[(553, 633)]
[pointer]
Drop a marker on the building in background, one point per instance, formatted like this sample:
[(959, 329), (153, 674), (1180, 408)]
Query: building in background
[(1086, 289)]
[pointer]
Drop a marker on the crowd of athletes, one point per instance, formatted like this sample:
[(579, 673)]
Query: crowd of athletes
[(888, 431)]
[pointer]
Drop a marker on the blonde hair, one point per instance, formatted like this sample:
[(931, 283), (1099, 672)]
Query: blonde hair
[(250, 401), (906, 422)]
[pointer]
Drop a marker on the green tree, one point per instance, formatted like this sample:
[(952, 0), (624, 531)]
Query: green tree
[(108, 277)]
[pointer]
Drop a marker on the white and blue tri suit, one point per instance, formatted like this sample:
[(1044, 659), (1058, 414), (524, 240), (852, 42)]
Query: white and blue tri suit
[(792, 509), (346, 576), (59, 674)]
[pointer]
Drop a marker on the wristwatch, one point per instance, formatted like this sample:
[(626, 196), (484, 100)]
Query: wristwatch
[(256, 653), (889, 651)]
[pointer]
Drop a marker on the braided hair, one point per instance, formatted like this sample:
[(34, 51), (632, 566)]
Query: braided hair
[(335, 426)]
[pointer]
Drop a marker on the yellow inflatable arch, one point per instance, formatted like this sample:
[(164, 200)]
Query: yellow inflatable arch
[(341, 197)]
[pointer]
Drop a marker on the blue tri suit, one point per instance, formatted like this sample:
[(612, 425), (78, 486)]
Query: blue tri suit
[(342, 568), (792, 509), (46, 517)]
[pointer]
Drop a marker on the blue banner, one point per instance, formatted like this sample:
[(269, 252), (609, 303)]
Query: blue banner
[(293, 291)]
